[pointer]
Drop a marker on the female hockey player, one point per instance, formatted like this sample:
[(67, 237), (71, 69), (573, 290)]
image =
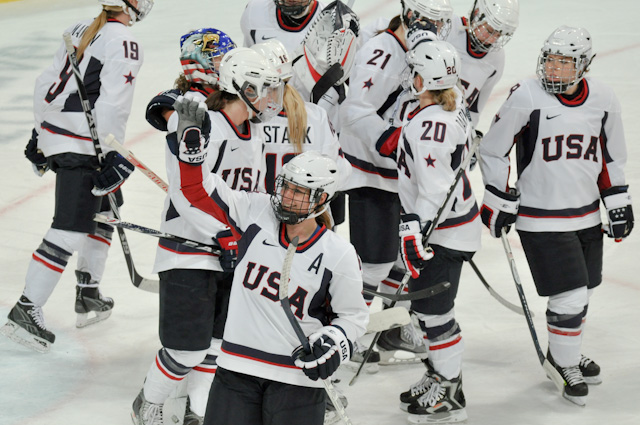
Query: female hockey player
[(433, 146), (194, 285), (570, 151), (479, 41), (372, 101), (261, 374), (109, 59)]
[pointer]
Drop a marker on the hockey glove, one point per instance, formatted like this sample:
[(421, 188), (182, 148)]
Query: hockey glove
[(414, 254), (115, 170), (229, 254), (329, 348), (35, 155), (387, 143), (617, 201), (499, 209), (420, 31), (194, 126), (158, 105)]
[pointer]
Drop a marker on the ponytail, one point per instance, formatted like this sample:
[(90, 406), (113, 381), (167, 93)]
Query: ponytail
[(446, 98), (96, 25), (394, 24), (296, 117)]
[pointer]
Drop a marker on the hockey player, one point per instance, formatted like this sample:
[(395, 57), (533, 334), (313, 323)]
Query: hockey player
[(432, 147), (194, 285), (374, 207), (191, 319), (110, 58), (571, 152), (480, 40), (261, 374)]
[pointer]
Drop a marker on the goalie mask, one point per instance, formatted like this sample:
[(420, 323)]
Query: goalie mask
[(136, 13), (437, 12), (329, 49), (201, 52), (293, 8), (277, 54), (492, 24), (437, 62), (300, 186), (249, 75), (564, 58)]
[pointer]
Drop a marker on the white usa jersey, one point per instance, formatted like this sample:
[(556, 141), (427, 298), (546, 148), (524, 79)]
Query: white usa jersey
[(325, 282), (374, 87), (278, 149), (568, 149), (109, 69), (235, 156), (479, 73), (261, 21), (432, 146)]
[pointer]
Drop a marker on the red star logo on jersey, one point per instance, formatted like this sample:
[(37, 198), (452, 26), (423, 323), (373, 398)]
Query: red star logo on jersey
[(430, 161), (368, 84), (129, 78)]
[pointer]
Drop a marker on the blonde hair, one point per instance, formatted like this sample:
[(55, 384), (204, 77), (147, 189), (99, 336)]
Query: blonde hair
[(96, 25), (446, 98), (296, 117), (324, 219)]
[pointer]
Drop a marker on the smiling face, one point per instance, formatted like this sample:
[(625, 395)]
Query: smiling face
[(561, 69)]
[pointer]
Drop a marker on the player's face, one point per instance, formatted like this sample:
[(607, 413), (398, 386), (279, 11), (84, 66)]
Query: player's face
[(295, 198), (559, 68), (486, 34)]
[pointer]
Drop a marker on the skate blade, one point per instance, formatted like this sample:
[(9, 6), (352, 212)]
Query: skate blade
[(454, 416), (400, 357), (83, 320), (592, 380), (17, 334), (577, 400)]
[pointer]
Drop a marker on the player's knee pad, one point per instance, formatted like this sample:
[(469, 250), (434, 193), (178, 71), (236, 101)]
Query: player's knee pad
[(187, 359), (438, 327), (569, 302), (66, 240), (375, 273)]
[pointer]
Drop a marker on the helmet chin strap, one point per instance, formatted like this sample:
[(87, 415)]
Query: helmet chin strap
[(247, 103)]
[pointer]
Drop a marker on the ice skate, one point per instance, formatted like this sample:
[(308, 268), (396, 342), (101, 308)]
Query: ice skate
[(91, 306), (145, 413), (331, 415), (190, 418), (590, 370), (401, 345), (357, 357), (575, 387), (417, 390), (444, 402), (26, 326)]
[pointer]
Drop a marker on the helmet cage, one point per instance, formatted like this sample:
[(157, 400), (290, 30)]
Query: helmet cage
[(294, 9), (284, 186), (437, 12), (500, 15), (271, 92)]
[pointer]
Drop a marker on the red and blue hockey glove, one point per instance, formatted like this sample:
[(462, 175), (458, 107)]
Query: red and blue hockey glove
[(617, 201), (499, 209), (329, 348), (35, 155), (194, 126), (229, 253), (387, 143), (115, 170), (414, 254)]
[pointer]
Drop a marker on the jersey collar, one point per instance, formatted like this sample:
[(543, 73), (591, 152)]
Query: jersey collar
[(284, 241), (393, 34), (578, 98), (243, 136), (470, 51), (302, 25)]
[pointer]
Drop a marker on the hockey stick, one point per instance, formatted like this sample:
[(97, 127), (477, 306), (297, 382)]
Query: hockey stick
[(388, 318), (417, 295), (494, 294), (283, 294), (432, 227), (551, 371), (129, 156), (100, 218), (136, 279)]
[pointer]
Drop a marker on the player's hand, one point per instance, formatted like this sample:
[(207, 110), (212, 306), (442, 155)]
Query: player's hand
[(499, 209), (414, 254), (35, 155), (329, 348), (420, 31), (617, 201), (229, 254), (194, 126), (115, 170)]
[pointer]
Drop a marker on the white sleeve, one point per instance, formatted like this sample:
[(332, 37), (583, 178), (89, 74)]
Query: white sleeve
[(331, 146), (245, 26), (615, 147), (486, 90)]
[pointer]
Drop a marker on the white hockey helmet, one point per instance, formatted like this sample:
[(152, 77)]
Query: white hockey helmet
[(199, 50), (137, 13), (497, 20), (572, 45), (248, 74), (293, 8), (277, 54), (438, 12), (437, 62), (310, 173)]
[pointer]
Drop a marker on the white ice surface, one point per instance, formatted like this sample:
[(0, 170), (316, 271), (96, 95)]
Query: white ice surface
[(92, 375)]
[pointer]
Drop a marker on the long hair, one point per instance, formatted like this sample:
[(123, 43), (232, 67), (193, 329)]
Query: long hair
[(325, 219), (182, 84), (96, 25), (217, 100), (394, 24), (446, 98), (296, 117)]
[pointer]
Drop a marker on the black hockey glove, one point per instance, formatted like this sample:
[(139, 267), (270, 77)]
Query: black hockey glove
[(499, 209), (387, 143), (329, 348), (194, 126), (414, 254), (115, 170), (617, 201), (35, 155), (158, 105), (420, 31), (229, 254)]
